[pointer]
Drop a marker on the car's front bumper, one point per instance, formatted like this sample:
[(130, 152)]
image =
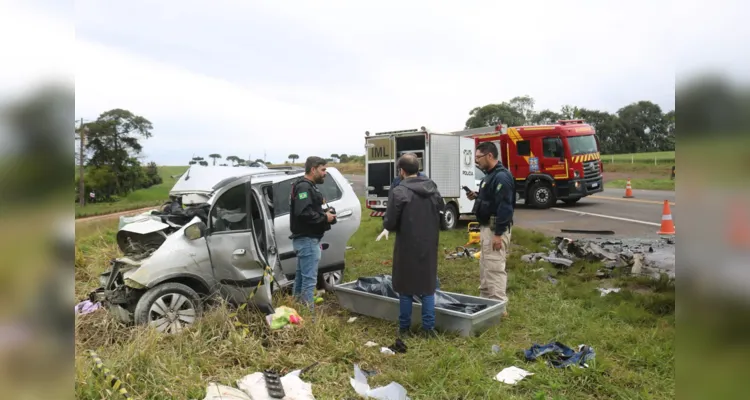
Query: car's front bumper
[(114, 295)]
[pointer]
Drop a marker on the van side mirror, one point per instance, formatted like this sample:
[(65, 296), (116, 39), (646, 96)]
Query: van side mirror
[(196, 230)]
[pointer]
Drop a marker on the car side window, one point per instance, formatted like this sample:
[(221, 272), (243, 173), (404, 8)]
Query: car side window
[(230, 211), (523, 147), (330, 189), (282, 190), (551, 147)]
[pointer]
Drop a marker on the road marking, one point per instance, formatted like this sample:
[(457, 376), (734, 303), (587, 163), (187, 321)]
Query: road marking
[(607, 216), (633, 200)]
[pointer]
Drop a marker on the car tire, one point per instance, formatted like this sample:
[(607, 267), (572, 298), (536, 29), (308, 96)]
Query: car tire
[(150, 309), (542, 195), (450, 217), (331, 278)]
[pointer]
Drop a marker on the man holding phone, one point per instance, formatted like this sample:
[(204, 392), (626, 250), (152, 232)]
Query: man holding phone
[(493, 206)]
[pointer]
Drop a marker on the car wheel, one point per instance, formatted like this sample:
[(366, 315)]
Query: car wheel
[(327, 280), (542, 195), (450, 217), (169, 307)]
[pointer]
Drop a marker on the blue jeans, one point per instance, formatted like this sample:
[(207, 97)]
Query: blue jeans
[(428, 311), (306, 277)]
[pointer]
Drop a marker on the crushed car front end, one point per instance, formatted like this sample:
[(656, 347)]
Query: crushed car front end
[(117, 293)]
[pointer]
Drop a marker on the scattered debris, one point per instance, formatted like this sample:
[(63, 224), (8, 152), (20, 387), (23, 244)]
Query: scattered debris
[(512, 375), (552, 280), (393, 391), (606, 291), (563, 356), (87, 307), (370, 344), (462, 252), (284, 317), (398, 347), (642, 257), (387, 351), (273, 384), (593, 232), (495, 348), (349, 247), (352, 319)]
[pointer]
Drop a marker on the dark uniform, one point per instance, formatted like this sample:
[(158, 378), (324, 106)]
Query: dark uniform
[(308, 223), (494, 207)]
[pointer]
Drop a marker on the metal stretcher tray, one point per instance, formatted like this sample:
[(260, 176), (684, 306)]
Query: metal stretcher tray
[(387, 308)]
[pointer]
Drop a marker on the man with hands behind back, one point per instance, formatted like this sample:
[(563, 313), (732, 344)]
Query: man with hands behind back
[(493, 206)]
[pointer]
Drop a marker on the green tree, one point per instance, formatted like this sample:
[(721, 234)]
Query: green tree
[(113, 139), (335, 157), (215, 156), (494, 114), (293, 157), (232, 159)]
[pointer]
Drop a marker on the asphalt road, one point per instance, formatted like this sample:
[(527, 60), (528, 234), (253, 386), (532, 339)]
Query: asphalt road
[(638, 217)]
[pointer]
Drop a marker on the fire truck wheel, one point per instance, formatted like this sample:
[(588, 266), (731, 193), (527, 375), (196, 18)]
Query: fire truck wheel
[(450, 217), (541, 195)]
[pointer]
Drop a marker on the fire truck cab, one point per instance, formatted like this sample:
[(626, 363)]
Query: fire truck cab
[(549, 162)]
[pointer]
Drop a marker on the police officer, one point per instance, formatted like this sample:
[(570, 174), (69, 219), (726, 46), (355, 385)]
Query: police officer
[(309, 219), (493, 207)]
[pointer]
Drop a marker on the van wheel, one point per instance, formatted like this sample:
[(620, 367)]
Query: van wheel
[(541, 195), (450, 217), (169, 307)]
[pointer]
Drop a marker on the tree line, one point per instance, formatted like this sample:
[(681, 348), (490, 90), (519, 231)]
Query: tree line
[(235, 161), (636, 128), (112, 149)]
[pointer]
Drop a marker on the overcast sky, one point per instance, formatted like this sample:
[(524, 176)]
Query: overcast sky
[(310, 77)]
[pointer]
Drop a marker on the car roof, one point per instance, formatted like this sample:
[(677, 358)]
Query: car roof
[(200, 179), (204, 180)]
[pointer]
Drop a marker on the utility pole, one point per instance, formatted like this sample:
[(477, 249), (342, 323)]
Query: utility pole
[(81, 187)]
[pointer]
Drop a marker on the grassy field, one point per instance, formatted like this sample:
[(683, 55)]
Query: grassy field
[(153, 196), (633, 333), (654, 158), (158, 194), (643, 183)]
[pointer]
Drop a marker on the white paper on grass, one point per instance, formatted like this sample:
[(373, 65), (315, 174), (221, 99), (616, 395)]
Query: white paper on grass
[(294, 387), (512, 375), (392, 391), (214, 391)]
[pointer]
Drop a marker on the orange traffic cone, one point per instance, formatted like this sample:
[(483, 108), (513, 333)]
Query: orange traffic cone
[(628, 190), (667, 225)]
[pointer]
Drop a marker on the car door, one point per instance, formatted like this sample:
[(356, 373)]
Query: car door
[(341, 196), (235, 259)]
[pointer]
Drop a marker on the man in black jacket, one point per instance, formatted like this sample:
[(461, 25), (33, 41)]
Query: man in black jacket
[(493, 206), (414, 213), (309, 219)]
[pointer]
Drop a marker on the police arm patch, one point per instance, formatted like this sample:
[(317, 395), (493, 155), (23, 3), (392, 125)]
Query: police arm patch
[(499, 186), (302, 196)]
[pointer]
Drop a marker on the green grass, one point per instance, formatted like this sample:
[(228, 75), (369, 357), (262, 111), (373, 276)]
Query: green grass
[(654, 158), (643, 183), (633, 333), (153, 196)]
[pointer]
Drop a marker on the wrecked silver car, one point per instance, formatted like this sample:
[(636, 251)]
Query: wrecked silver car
[(225, 240)]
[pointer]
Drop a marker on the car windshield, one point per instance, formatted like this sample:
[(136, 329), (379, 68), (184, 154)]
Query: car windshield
[(582, 144)]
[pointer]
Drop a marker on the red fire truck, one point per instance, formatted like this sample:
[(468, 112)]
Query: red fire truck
[(549, 162)]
